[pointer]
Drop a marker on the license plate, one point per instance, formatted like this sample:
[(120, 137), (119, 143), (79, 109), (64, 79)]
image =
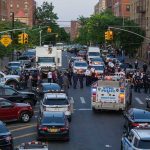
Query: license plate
[(53, 130)]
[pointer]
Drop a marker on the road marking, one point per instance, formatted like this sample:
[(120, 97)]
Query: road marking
[(21, 128), (82, 109), (108, 146), (139, 100), (82, 100), (72, 100), (25, 135)]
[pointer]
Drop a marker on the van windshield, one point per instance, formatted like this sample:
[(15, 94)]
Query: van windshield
[(46, 60), (94, 54)]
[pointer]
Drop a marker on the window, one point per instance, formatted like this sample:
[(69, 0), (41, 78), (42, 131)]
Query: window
[(1, 91), (17, 5), (11, 5), (9, 92), (127, 7), (5, 104)]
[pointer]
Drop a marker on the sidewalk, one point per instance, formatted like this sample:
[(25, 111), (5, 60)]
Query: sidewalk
[(132, 60)]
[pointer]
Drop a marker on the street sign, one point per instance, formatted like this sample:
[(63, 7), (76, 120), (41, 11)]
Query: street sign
[(6, 40)]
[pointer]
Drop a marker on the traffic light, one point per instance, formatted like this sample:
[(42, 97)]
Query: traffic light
[(25, 38), (49, 30), (110, 35), (107, 35), (20, 38)]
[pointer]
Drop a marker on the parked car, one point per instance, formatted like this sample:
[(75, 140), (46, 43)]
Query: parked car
[(6, 140), (25, 61), (135, 117), (136, 139), (14, 67), (52, 125), (10, 111), (48, 88), (11, 80), (30, 54), (34, 145), (13, 95)]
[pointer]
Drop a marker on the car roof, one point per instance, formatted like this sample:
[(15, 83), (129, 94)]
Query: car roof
[(55, 95), (53, 114), (80, 61), (143, 134), (139, 114)]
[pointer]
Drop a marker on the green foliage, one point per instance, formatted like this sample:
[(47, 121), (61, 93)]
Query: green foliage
[(92, 31)]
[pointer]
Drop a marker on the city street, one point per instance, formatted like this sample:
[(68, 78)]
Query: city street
[(89, 131)]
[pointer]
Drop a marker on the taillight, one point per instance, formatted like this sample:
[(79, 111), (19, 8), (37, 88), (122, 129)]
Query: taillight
[(94, 94), (135, 124), (43, 128), (63, 129)]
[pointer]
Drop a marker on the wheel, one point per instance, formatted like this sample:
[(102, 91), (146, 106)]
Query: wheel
[(25, 117), (13, 84), (29, 102), (121, 146), (94, 110)]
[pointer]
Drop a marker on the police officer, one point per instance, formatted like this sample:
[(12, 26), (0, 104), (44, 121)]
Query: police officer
[(88, 77), (81, 76), (65, 83), (75, 80), (69, 75)]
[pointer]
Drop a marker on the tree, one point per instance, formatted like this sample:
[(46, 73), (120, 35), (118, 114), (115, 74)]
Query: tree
[(93, 30)]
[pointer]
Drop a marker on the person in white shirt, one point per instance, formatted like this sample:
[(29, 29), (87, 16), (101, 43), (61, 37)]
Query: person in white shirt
[(49, 76), (88, 77)]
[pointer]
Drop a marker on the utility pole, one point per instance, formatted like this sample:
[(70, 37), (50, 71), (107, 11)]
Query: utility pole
[(40, 37), (12, 26)]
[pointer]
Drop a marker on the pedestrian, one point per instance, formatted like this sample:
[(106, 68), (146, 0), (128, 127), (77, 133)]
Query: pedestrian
[(49, 76), (60, 79), (39, 81), (54, 78), (29, 83), (65, 83), (145, 67), (145, 83), (88, 76), (75, 80), (69, 75), (81, 76), (136, 64)]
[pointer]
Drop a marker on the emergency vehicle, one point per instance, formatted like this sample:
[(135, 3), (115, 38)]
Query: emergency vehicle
[(136, 139), (110, 95), (34, 145), (48, 58)]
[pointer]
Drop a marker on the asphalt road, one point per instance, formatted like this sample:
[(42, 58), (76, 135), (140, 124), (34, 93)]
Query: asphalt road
[(89, 131)]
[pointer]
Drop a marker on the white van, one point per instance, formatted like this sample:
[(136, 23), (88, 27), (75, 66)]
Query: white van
[(93, 52)]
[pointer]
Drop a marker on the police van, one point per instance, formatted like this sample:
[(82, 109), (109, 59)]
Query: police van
[(110, 95)]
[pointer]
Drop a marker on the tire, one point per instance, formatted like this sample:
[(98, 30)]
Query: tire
[(94, 110), (121, 148), (25, 117), (29, 102), (13, 84)]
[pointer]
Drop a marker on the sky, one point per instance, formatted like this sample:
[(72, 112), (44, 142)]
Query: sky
[(68, 10)]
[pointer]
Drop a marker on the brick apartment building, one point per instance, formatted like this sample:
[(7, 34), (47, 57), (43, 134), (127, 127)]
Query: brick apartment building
[(74, 30), (100, 6), (3, 10), (24, 10), (140, 13)]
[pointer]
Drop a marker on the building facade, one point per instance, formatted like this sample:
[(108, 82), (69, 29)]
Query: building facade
[(140, 13), (24, 11), (100, 6), (3, 10), (74, 30)]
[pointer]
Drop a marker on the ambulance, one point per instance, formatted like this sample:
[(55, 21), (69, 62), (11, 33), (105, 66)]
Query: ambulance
[(110, 94)]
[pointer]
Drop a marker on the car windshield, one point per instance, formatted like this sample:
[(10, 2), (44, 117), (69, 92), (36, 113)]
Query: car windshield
[(98, 67), (3, 129), (29, 53), (33, 146), (144, 144), (55, 101), (23, 58), (94, 54), (14, 64), (142, 116), (53, 119), (51, 87), (96, 59), (46, 59), (82, 52), (81, 64)]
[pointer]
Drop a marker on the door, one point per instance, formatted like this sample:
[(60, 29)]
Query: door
[(7, 110), (12, 95)]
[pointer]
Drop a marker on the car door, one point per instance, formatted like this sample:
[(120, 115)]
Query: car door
[(128, 145), (7, 110), (12, 95)]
